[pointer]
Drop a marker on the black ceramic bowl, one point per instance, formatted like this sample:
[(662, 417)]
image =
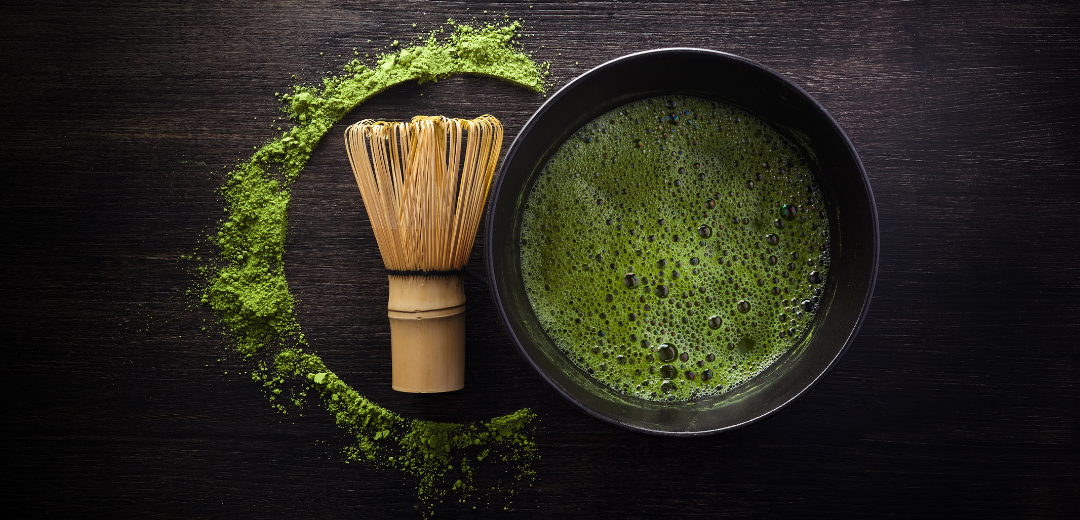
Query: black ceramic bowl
[(791, 111)]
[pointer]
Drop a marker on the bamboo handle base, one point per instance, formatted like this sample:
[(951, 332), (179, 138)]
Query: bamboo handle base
[(427, 332)]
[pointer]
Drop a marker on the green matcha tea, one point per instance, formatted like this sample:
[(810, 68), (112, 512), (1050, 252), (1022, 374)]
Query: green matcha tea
[(675, 247)]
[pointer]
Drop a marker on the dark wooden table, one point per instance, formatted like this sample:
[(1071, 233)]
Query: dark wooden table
[(960, 397)]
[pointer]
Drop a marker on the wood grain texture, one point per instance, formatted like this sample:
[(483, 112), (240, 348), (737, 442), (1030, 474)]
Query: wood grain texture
[(959, 397)]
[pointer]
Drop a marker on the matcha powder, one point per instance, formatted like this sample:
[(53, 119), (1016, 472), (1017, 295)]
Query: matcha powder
[(246, 286)]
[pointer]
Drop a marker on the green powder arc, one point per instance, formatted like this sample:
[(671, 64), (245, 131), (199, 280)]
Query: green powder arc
[(247, 289)]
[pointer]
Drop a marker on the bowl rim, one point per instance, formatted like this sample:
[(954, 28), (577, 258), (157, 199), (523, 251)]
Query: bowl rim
[(552, 101)]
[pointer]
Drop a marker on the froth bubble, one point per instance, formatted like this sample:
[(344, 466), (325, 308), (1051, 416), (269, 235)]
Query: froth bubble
[(715, 322), (666, 353)]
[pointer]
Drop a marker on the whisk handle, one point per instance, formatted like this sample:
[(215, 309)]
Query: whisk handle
[(427, 332)]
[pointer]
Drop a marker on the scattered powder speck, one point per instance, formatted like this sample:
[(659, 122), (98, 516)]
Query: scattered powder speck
[(247, 290)]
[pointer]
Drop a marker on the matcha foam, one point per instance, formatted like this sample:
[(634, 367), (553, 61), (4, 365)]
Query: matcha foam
[(675, 247)]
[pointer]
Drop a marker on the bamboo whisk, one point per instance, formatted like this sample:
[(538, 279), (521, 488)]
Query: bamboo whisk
[(424, 184)]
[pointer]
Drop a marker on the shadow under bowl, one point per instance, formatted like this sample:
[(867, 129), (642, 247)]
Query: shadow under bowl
[(788, 109)]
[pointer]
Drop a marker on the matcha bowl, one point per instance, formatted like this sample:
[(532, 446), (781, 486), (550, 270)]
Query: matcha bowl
[(846, 197)]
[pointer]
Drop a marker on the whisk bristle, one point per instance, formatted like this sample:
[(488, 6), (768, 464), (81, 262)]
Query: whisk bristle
[(424, 184)]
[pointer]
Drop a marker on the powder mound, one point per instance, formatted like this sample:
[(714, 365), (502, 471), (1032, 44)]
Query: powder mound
[(247, 289)]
